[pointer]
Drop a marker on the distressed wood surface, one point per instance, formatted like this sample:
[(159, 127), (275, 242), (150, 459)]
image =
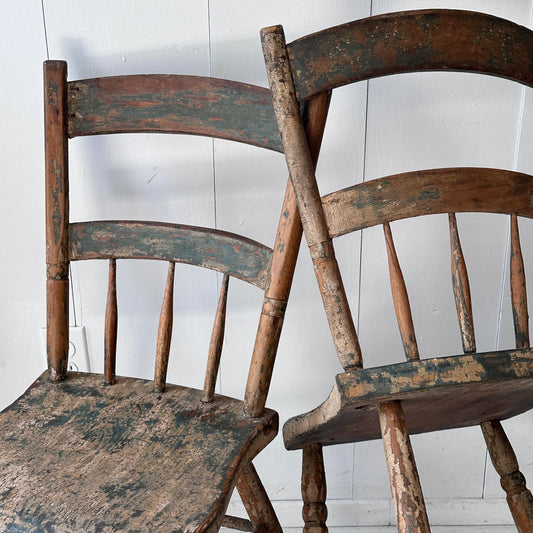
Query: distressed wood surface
[(428, 192), (302, 173), (411, 41), (256, 502), (173, 104), (437, 393), (111, 325), (401, 299), (411, 516), (513, 482), (94, 437), (57, 213), (518, 288), (314, 489), (461, 288), (145, 456), (164, 331), (225, 252), (284, 258), (216, 342)]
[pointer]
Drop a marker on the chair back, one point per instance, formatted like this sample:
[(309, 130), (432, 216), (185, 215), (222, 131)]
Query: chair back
[(311, 67), (171, 104)]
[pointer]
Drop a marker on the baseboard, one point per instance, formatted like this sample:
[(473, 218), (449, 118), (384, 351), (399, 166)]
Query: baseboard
[(351, 513)]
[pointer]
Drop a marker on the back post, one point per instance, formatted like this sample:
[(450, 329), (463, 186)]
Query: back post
[(56, 155), (302, 174)]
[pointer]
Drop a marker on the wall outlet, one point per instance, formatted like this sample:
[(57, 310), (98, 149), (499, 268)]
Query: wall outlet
[(78, 353)]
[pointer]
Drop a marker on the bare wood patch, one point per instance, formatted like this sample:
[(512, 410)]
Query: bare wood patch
[(407, 494)]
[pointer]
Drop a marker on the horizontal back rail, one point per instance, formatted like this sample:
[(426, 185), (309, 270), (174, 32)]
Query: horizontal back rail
[(214, 249), (426, 192), (173, 104), (408, 42)]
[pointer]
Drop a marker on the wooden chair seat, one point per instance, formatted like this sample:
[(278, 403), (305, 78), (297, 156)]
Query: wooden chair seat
[(82, 456), (438, 393)]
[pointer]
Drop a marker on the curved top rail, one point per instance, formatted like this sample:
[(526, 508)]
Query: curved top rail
[(410, 41), (225, 252), (193, 105), (427, 192)]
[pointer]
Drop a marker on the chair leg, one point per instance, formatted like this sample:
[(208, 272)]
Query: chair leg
[(314, 490), (512, 480), (257, 503), (411, 516)]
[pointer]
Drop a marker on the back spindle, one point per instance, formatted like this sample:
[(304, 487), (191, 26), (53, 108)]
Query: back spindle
[(215, 345), (110, 329), (461, 288), (401, 299), (164, 333), (518, 289)]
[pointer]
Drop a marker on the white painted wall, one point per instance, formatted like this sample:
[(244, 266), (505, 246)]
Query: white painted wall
[(385, 126)]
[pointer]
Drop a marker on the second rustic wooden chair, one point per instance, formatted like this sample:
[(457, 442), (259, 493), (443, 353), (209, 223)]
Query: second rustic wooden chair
[(88, 452), (419, 395)]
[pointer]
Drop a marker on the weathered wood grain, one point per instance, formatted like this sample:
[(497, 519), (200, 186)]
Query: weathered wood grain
[(314, 489), (411, 516), (518, 288), (164, 331), (437, 393), (284, 258), (256, 502), (302, 174), (428, 192), (236, 523), (401, 299), (411, 41), (513, 482), (419, 395), (225, 252), (122, 458), (461, 288), (173, 104), (216, 342), (155, 457), (57, 213)]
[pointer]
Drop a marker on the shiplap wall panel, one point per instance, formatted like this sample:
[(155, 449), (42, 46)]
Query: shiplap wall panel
[(21, 202)]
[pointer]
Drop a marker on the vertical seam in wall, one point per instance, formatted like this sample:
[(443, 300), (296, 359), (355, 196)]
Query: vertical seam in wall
[(45, 32), (508, 244), (213, 162), (359, 283), (210, 53)]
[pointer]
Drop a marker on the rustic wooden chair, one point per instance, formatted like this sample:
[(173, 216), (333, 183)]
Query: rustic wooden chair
[(418, 395), (89, 452)]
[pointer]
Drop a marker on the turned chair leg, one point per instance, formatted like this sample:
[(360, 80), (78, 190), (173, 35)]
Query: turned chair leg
[(512, 480), (257, 502), (314, 490), (411, 516)]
